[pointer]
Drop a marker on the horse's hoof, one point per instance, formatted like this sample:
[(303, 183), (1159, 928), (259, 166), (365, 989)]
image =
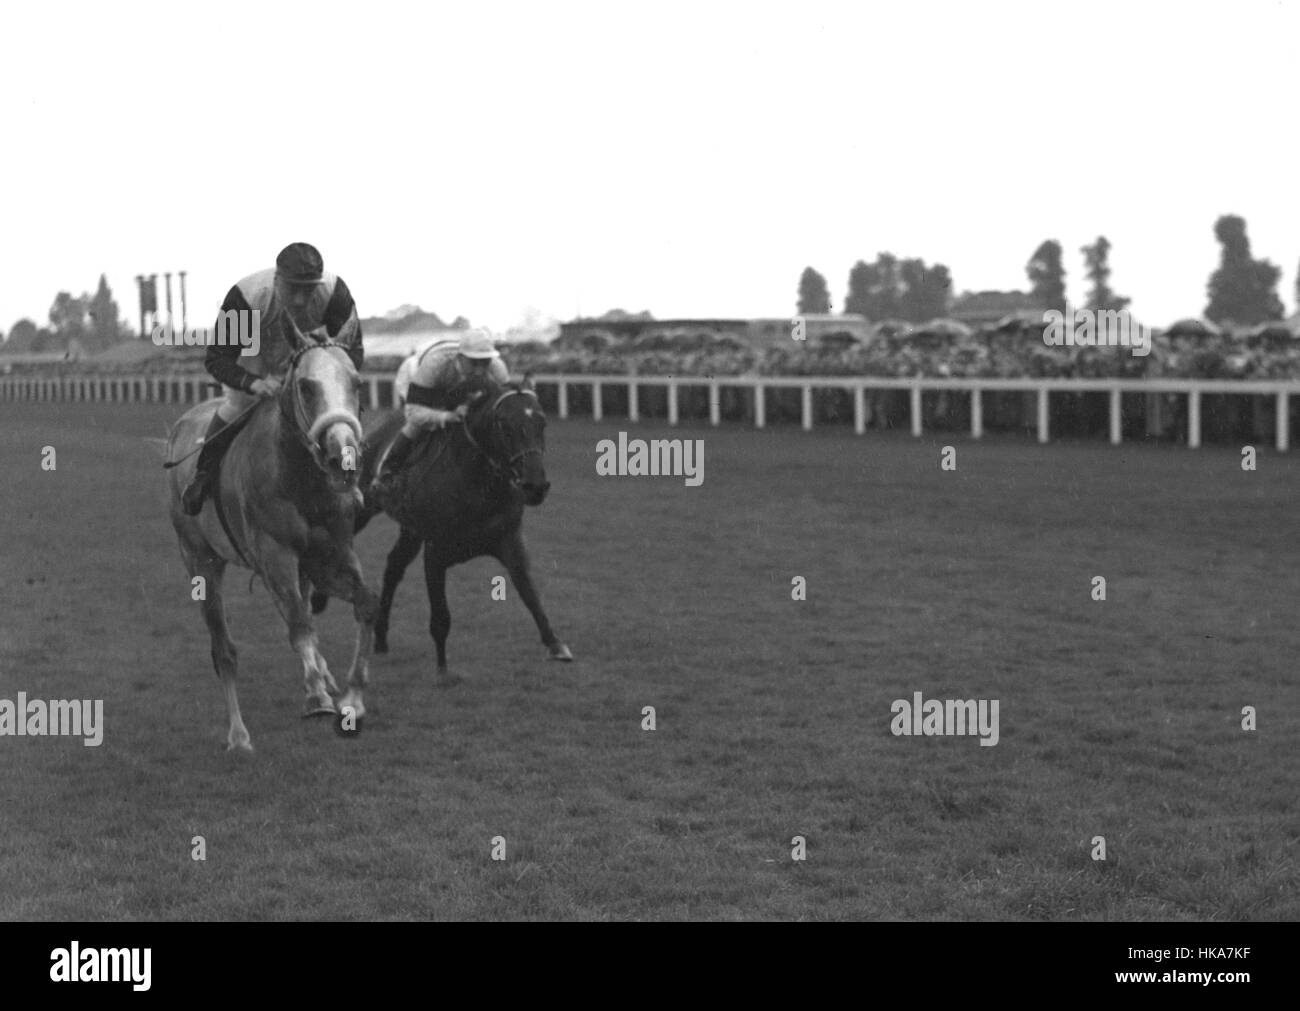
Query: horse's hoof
[(380, 645), (318, 602), (560, 652), (315, 707), (240, 747)]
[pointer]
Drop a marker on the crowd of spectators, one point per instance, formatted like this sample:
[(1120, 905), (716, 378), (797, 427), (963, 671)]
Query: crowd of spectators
[(946, 349), (1190, 349), (994, 352)]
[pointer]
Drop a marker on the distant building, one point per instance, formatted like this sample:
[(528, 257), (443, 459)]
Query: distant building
[(766, 333), (617, 331), (755, 333), (399, 345), (984, 308)]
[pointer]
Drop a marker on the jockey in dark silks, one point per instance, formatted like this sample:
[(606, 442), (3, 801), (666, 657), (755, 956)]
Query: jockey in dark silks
[(437, 396), (296, 297)]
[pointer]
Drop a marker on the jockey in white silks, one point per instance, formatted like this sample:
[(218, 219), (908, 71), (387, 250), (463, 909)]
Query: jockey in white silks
[(436, 396)]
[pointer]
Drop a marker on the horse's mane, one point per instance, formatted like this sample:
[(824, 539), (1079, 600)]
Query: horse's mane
[(310, 345)]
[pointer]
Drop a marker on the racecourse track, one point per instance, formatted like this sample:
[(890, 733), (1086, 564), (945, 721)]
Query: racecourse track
[(1119, 718)]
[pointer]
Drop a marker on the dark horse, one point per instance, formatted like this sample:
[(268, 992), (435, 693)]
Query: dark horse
[(283, 506), (462, 496)]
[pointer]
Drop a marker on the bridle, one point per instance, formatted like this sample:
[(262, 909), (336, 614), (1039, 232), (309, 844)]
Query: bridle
[(307, 430), (510, 470)]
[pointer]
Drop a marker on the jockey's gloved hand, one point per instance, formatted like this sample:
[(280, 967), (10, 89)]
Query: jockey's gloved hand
[(266, 387)]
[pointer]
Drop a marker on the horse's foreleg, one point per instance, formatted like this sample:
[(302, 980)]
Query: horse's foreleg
[(223, 648), (281, 571), (403, 554), (346, 583), (435, 582), (514, 556), (309, 593)]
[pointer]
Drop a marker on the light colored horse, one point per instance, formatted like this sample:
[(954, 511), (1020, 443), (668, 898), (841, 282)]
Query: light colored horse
[(287, 494)]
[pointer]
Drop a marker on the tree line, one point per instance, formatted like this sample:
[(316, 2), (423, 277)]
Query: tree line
[(92, 321), (1242, 290)]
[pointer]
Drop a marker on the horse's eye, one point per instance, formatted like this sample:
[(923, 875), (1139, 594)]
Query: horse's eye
[(305, 388)]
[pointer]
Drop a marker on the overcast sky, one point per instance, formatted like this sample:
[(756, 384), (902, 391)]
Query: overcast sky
[(690, 159)]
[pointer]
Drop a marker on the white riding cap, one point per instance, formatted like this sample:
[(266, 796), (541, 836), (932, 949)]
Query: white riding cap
[(477, 344)]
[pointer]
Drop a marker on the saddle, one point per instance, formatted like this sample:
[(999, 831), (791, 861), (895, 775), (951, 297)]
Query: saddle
[(219, 442), (216, 447)]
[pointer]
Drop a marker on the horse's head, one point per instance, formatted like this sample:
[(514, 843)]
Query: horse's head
[(320, 399), (507, 424)]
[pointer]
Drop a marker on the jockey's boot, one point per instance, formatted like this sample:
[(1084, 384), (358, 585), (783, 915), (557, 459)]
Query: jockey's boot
[(393, 463), (197, 490)]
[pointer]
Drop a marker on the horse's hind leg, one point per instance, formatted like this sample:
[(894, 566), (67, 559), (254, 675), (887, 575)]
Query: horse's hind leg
[(223, 648), (514, 556), (435, 582), (403, 554), (281, 571)]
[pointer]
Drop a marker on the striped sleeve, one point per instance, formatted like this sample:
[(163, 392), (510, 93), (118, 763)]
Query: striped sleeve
[(342, 324), (222, 361)]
